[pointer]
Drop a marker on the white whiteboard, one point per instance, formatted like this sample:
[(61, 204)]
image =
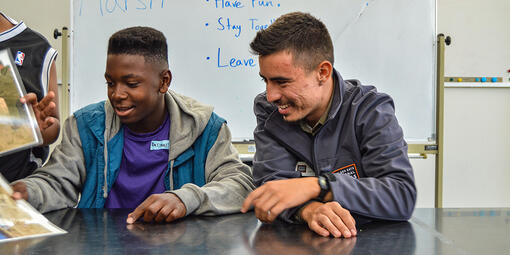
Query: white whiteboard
[(389, 44)]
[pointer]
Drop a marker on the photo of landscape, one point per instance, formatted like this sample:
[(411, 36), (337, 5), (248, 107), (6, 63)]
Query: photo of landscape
[(16, 129), (19, 220)]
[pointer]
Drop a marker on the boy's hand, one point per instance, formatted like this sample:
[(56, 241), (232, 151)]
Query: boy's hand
[(20, 191), (46, 114), (329, 218), (164, 207), (270, 199)]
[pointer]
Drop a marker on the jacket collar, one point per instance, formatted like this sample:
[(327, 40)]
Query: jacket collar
[(338, 94), (292, 136), (188, 119)]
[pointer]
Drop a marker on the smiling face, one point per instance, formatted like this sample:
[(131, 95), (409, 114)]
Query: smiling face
[(136, 91), (298, 93)]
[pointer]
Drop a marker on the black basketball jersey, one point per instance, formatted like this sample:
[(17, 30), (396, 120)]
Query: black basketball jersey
[(33, 56)]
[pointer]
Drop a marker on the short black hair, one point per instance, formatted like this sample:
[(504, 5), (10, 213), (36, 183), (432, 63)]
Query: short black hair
[(145, 41), (303, 35)]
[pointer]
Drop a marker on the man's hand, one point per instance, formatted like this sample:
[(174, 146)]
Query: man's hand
[(19, 191), (164, 207), (46, 114), (270, 199), (329, 218)]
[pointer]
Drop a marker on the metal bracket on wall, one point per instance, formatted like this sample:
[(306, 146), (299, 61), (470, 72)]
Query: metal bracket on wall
[(64, 97)]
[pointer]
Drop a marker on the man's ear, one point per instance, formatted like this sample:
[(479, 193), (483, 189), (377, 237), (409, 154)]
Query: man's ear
[(165, 78), (325, 70)]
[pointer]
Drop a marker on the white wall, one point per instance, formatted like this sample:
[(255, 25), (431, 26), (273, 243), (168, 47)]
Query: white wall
[(477, 120), (476, 167), (424, 175), (480, 36), (477, 147)]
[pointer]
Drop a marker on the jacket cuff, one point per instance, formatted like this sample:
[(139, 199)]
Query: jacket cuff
[(33, 200), (188, 198), (291, 215)]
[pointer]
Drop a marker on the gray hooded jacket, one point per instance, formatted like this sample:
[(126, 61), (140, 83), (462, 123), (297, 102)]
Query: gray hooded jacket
[(228, 181)]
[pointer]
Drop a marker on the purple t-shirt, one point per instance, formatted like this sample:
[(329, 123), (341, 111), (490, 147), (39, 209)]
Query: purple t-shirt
[(143, 167)]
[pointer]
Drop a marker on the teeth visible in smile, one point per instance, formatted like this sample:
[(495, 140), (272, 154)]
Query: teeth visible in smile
[(122, 109), (285, 106)]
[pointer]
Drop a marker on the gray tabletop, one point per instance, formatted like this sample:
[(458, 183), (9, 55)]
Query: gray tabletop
[(430, 231)]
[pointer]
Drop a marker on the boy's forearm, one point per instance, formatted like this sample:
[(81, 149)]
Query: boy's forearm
[(58, 184)]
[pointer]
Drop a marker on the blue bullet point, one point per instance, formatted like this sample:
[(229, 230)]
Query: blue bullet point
[(494, 79), (206, 24), (208, 58), (278, 5), (484, 79)]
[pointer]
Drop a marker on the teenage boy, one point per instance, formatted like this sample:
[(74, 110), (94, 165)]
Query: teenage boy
[(147, 147), (329, 151)]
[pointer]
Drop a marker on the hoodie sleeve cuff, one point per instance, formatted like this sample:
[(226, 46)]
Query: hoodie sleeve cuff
[(34, 198), (188, 197)]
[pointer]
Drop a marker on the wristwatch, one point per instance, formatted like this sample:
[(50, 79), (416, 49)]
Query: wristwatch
[(324, 185)]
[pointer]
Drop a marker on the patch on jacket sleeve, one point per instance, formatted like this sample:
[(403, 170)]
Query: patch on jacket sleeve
[(350, 170)]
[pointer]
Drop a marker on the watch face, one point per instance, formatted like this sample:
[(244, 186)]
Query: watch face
[(323, 183)]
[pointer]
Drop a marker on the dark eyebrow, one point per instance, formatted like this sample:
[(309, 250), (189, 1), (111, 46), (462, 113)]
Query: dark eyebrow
[(277, 78), (124, 77), (127, 76)]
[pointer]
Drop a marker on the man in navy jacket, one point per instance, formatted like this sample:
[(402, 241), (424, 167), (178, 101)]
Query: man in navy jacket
[(330, 152)]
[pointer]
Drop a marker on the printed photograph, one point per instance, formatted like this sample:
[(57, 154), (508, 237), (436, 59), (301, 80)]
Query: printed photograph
[(19, 220), (17, 129)]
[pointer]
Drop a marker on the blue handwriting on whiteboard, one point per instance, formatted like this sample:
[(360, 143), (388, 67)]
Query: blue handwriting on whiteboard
[(257, 26), (235, 62), (143, 6), (110, 6), (256, 3), (228, 26), (228, 4)]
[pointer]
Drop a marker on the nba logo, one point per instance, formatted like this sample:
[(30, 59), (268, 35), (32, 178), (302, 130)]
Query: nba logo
[(20, 56)]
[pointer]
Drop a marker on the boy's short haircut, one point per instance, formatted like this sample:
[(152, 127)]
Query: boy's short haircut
[(145, 41), (301, 34)]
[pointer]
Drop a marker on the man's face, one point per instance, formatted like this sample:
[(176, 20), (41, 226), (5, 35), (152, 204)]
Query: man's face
[(135, 90), (295, 91)]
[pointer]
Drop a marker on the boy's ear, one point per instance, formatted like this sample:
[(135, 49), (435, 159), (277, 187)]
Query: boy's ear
[(165, 79)]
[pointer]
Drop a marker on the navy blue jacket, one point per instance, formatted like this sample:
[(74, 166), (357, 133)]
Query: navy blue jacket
[(361, 142)]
